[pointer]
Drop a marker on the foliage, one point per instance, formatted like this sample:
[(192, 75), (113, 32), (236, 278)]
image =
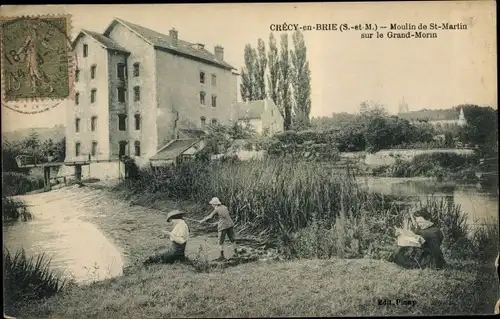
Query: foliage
[(32, 145), (431, 165), (14, 209), (249, 86), (273, 66), (29, 279), (284, 84), (14, 183), (301, 82), (481, 128), (220, 138)]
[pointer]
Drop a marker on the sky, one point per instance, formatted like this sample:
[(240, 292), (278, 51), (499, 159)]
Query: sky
[(457, 67)]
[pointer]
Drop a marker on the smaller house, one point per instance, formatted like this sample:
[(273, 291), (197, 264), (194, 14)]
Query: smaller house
[(262, 115), (177, 151)]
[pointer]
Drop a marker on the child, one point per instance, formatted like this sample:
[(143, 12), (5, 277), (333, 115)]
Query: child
[(178, 240), (224, 227)]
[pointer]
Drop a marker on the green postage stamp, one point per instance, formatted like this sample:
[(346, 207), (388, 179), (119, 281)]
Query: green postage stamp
[(36, 58)]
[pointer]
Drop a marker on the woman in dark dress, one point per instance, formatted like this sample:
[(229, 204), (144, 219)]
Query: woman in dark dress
[(429, 255)]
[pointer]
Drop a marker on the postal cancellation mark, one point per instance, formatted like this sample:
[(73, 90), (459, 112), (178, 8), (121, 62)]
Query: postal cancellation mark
[(35, 58)]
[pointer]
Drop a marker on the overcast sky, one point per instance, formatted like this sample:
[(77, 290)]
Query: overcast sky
[(457, 67)]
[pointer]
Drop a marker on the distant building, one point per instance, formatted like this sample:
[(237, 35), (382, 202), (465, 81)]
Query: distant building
[(135, 88), (262, 115), (440, 119)]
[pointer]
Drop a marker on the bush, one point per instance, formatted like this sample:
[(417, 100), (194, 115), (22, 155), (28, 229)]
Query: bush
[(14, 209), (18, 183), (28, 279)]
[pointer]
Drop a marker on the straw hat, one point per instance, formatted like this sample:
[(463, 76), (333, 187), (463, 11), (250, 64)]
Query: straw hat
[(215, 201), (174, 213)]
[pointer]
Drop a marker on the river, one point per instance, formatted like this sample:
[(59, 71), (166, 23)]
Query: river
[(77, 248), (83, 252)]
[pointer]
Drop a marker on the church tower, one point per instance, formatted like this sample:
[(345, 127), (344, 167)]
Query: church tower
[(403, 107)]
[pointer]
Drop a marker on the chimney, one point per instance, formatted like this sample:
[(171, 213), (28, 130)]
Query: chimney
[(219, 53), (174, 35)]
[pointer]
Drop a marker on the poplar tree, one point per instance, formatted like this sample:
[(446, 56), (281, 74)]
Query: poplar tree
[(249, 86), (261, 70), (301, 81), (274, 71), (284, 87)]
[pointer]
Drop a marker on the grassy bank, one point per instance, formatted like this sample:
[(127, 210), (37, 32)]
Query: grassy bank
[(448, 166), (302, 288)]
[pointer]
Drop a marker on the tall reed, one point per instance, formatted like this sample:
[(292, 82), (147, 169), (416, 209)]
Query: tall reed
[(29, 278)]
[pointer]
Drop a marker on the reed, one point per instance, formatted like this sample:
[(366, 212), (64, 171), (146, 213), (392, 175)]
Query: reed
[(29, 278)]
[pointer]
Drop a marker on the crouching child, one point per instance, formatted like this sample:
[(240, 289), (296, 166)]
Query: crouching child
[(178, 240)]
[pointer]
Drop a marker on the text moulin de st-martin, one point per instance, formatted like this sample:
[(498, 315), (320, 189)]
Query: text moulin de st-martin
[(431, 26)]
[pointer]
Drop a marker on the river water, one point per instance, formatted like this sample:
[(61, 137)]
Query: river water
[(84, 253), (478, 203), (77, 248)]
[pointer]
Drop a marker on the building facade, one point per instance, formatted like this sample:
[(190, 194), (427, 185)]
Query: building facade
[(262, 115), (136, 88)]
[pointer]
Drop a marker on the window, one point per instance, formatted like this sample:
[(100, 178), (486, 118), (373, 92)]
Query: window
[(92, 71), (77, 75), (85, 50), (214, 100), (121, 95), (77, 148), (214, 80), (137, 122), (122, 122), (121, 71), (94, 148), (93, 94), (202, 98), (137, 94), (77, 98), (93, 123), (136, 69), (202, 77), (137, 148), (77, 125), (203, 122), (214, 121), (121, 151)]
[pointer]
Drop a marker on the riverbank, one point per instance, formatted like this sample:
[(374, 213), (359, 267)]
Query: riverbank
[(334, 287)]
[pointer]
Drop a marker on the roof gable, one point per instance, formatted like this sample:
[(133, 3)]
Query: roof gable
[(174, 148), (103, 41), (164, 42)]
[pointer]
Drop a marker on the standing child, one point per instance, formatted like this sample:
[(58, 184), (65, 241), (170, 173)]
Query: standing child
[(225, 225)]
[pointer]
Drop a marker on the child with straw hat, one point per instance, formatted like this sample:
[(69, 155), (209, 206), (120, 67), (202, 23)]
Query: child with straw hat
[(225, 225)]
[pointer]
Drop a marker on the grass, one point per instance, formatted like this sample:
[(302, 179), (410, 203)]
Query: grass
[(333, 287), (28, 279)]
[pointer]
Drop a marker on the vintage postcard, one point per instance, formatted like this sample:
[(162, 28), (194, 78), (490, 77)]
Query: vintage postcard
[(250, 160)]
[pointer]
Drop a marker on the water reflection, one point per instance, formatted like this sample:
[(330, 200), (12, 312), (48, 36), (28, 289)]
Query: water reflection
[(77, 248), (480, 204)]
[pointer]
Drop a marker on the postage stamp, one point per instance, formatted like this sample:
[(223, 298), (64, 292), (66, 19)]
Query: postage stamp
[(36, 58)]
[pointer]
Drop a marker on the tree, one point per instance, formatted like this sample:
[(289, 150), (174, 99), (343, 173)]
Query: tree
[(482, 126), (274, 71), (284, 82), (261, 70), (301, 81), (249, 87)]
